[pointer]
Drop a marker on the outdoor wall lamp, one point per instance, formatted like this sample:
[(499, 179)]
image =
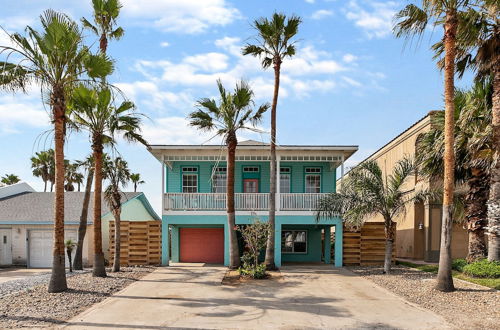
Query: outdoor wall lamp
[(420, 226)]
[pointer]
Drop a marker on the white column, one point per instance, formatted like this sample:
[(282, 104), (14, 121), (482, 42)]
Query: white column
[(342, 170), (162, 184), (278, 184)]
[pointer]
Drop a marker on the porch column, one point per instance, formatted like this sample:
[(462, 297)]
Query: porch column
[(277, 244), (165, 251), (175, 243), (226, 245), (338, 244), (278, 184), (328, 246), (342, 171)]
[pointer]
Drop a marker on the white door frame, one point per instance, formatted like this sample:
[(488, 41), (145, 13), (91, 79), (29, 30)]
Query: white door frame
[(6, 241)]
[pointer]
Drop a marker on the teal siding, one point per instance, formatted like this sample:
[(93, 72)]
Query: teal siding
[(314, 245), (174, 184)]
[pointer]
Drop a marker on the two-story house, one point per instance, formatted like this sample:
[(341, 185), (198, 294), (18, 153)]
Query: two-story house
[(194, 200)]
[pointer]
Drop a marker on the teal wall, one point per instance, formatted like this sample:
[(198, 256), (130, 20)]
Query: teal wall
[(173, 176), (314, 245)]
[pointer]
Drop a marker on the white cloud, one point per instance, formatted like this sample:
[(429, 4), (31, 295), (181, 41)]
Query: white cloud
[(187, 16), (374, 18), (320, 14), (309, 1), (208, 62), (349, 58), (16, 22), (164, 44), (173, 130), (351, 81), (21, 111)]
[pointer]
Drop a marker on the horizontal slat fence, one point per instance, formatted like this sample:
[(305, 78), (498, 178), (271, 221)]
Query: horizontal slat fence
[(140, 242), (365, 247)]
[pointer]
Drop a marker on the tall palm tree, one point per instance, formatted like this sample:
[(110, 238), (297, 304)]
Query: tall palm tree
[(411, 21), (93, 110), (273, 44), (9, 179), (367, 191), (88, 166), (72, 176), (136, 180), (105, 14), (42, 164), (473, 150), (234, 112), (118, 175), (55, 59)]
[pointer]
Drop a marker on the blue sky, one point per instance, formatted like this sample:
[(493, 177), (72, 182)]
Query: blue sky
[(351, 81)]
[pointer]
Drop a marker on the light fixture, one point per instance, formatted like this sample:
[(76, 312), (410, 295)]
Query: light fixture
[(420, 226)]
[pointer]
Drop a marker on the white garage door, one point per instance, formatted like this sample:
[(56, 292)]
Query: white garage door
[(40, 247)]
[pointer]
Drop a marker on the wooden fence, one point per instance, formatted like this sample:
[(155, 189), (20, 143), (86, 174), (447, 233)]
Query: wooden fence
[(366, 247), (140, 242)]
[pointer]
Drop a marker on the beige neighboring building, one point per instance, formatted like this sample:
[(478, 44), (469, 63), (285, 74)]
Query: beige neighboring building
[(419, 228)]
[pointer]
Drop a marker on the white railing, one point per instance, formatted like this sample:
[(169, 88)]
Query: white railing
[(300, 201), (242, 201)]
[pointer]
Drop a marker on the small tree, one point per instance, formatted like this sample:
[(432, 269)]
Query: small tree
[(70, 246), (9, 179), (255, 236)]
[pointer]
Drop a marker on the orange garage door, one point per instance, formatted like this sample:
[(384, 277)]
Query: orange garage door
[(202, 245)]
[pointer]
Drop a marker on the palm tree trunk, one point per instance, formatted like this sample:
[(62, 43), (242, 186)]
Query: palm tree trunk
[(135, 187), (444, 278), (82, 228), (389, 244), (98, 268), (234, 253), (494, 198), (44, 185), (476, 212), (116, 261), (103, 43), (269, 260), (58, 278)]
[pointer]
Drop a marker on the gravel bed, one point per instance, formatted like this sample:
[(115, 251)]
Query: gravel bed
[(36, 307), (471, 306), (10, 287)]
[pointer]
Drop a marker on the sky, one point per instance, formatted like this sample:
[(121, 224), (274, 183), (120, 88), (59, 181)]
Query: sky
[(350, 83)]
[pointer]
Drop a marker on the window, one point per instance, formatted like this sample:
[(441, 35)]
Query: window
[(189, 180), (250, 169), (219, 180), (313, 180), (285, 182), (294, 241)]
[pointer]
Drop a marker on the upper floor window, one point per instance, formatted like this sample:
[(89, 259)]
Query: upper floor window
[(219, 180), (250, 169), (313, 180), (285, 180), (189, 179)]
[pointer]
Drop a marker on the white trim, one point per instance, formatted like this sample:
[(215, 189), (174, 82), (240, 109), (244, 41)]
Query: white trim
[(250, 213)]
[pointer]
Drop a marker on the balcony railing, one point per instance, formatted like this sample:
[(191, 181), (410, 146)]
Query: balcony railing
[(242, 201)]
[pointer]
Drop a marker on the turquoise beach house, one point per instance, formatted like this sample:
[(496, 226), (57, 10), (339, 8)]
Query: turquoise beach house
[(194, 200)]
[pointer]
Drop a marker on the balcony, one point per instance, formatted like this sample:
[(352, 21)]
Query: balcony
[(243, 201)]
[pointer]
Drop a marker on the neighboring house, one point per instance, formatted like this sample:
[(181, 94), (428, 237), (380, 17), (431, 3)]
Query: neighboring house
[(419, 228), (27, 221), (194, 199)]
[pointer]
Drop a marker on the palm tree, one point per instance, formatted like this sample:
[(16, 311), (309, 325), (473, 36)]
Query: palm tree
[(273, 44), (93, 110), (136, 180), (55, 59), (105, 14), (234, 112), (9, 179), (413, 21), (70, 246), (88, 166), (118, 175), (473, 158), (367, 191), (72, 176), (42, 164)]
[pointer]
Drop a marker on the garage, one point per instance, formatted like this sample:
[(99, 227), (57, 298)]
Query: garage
[(40, 247), (202, 245)]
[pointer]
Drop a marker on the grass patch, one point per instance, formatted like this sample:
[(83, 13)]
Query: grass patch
[(493, 283)]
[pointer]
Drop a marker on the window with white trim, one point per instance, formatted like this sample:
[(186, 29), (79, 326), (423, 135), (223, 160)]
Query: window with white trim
[(219, 180), (294, 241), (250, 169), (313, 180), (285, 180), (189, 179)]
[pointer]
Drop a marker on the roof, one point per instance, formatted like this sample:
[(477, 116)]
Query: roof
[(38, 207), (15, 189)]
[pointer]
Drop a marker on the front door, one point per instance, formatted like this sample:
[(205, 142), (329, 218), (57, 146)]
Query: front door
[(250, 185), (5, 247)]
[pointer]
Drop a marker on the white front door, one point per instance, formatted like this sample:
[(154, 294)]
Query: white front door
[(5, 246), (41, 243)]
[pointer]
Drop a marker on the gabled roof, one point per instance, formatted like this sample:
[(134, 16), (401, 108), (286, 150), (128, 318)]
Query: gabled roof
[(14, 189), (38, 207)]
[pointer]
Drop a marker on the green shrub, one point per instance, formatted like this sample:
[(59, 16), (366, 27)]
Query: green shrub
[(257, 272), (483, 268), (459, 264)]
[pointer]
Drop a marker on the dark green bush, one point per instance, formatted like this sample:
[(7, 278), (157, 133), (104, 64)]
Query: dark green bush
[(483, 268), (459, 264), (257, 272)]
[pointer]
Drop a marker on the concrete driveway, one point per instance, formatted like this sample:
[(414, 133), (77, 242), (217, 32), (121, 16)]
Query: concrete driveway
[(10, 274), (306, 297)]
